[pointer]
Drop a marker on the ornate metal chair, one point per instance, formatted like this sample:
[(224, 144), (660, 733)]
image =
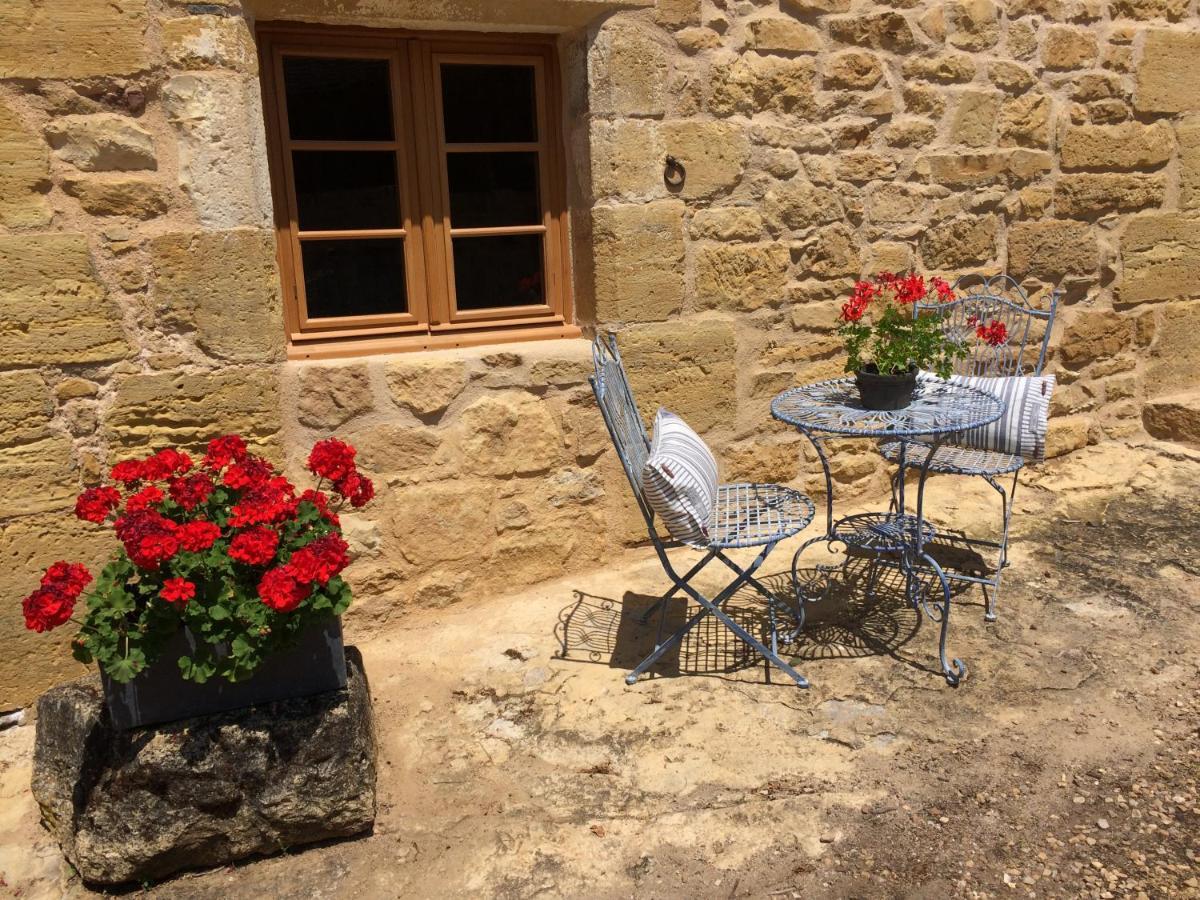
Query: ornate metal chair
[(745, 515), (983, 298)]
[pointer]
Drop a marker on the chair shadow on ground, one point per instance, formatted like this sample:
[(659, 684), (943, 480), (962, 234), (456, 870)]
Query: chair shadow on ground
[(859, 609)]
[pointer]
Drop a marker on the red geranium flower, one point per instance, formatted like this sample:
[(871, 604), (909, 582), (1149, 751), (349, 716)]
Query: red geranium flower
[(53, 602), (127, 471), (994, 333), (247, 472), (165, 463), (144, 499), (320, 560), (149, 538), (280, 591), (363, 493), (96, 503), (197, 536), (177, 590), (255, 547), (224, 450), (191, 491), (332, 459), (944, 292)]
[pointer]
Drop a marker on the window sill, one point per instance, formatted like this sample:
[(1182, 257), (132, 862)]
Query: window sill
[(345, 348)]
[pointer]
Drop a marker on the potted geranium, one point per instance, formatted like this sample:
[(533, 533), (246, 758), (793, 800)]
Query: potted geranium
[(225, 591), (886, 344)]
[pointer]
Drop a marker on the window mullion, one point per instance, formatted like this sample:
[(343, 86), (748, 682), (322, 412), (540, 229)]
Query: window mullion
[(425, 142)]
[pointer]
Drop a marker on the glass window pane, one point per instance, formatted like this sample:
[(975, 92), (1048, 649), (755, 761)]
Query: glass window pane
[(358, 277), (504, 270), (338, 189), (337, 99), (484, 103), (493, 189)]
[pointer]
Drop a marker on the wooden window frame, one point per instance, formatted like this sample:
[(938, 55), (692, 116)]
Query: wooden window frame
[(431, 320)]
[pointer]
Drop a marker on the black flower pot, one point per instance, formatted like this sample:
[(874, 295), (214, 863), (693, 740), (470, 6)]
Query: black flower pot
[(315, 664), (885, 392)]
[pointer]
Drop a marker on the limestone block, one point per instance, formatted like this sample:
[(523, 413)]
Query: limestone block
[(1097, 86), (1167, 78), (983, 167), (818, 7), (947, 68), (799, 204), (972, 24), (1022, 39), (853, 69), (974, 122), (690, 370), (1093, 335), (52, 310), (714, 154), (1010, 76), (629, 66), (832, 251), (924, 99), (427, 384), (898, 203), (753, 84), (403, 454), (627, 158), (1051, 249), (910, 131), (804, 138), (694, 40), (331, 395), (25, 407), (37, 476), (218, 118), (890, 256), (1129, 145), (677, 13), (510, 433), (24, 174), (961, 241), (1066, 433), (29, 543), (863, 166), (781, 35), (191, 408), (1187, 133), (224, 286), (210, 42), (1025, 120), (1160, 256), (102, 142), (726, 223), (1175, 355), (441, 522), (757, 462), (1172, 10), (1091, 194), (139, 198), (741, 276), (269, 777), (1065, 47), (880, 30), (71, 39), (638, 252), (1175, 418)]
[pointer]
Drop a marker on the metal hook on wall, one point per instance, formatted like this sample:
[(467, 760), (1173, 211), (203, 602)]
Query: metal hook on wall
[(674, 174)]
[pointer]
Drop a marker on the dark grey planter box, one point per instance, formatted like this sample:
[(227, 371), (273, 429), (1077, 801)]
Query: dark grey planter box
[(315, 665)]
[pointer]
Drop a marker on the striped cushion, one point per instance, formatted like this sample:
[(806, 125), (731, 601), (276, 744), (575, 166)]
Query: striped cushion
[(680, 479), (1021, 428)]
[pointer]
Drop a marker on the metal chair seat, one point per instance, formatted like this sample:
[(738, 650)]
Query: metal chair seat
[(751, 515), (949, 459)]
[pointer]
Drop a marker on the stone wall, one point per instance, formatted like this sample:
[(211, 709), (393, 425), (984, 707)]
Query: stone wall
[(822, 139)]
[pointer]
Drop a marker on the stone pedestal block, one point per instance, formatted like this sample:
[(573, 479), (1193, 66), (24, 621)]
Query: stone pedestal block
[(138, 805)]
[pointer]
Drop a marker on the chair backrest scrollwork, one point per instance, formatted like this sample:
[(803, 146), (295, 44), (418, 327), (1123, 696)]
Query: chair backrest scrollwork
[(982, 299), (615, 399)]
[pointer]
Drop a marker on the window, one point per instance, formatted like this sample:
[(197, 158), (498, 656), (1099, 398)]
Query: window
[(418, 187)]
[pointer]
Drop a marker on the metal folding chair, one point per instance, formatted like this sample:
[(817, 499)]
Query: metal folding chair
[(983, 298), (746, 515)]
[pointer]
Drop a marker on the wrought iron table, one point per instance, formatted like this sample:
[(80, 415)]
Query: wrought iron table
[(939, 409)]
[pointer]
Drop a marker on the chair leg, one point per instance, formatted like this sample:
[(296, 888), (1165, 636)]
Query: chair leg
[(1006, 506), (645, 617)]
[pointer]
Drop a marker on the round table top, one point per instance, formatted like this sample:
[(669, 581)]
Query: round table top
[(938, 407)]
